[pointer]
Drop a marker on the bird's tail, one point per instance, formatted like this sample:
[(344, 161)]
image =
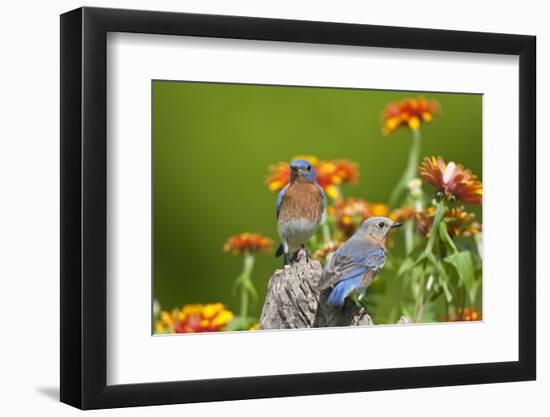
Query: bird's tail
[(338, 295), (280, 251)]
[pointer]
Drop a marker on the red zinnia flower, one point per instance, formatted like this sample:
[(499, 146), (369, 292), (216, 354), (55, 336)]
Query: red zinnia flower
[(330, 174), (452, 179), (194, 318), (351, 212), (409, 112), (247, 242)]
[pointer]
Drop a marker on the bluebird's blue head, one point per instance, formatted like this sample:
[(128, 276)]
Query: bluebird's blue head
[(376, 228), (300, 168)]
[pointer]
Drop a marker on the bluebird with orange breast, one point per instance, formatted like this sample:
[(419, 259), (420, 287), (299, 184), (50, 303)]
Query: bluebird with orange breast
[(300, 208), (352, 268)]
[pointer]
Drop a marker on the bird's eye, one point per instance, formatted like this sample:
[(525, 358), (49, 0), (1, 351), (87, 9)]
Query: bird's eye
[(309, 168), (381, 225)]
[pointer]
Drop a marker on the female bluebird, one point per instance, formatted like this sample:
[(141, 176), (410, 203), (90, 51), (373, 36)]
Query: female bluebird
[(300, 207), (354, 265)]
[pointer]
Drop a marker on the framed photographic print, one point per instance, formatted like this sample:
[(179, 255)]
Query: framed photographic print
[(245, 201)]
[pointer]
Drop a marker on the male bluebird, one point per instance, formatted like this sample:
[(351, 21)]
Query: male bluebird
[(300, 207), (354, 265)]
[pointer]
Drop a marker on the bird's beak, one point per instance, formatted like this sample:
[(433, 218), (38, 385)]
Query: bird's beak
[(293, 174), (396, 224)]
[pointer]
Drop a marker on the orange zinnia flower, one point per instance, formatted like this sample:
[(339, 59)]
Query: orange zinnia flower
[(452, 179), (424, 220), (247, 242), (469, 314), (409, 112), (194, 318), (402, 214), (330, 174), (351, 212), (279, 176), (322, 254), (459, 222)]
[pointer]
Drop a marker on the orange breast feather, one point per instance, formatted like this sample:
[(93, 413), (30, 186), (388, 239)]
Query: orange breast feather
[(302, 200)]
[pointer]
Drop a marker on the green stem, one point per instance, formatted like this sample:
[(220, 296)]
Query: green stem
[(326, 230), (246, 278), (479, 244), (409, 236), (434, 229), (410, 170), (244, 302), (425, 287), (463, 302), (424, 297), (325, 225)]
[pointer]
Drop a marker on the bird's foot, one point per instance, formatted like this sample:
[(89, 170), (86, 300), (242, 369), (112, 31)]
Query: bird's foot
[(357, 301), (359, 316), (286, 260), (304, 254)]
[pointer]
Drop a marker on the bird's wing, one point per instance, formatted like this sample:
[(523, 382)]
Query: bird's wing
[(342, 289), (280, 200), (323, 196), (350, 261)]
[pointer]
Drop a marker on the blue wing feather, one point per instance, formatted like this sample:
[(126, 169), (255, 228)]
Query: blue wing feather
[(280, 200), (350, 260), (343, 289), (358, 270), (324, 196), (375, 258)]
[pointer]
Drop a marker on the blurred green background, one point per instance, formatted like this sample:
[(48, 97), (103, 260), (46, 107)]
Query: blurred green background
[(213, 143)]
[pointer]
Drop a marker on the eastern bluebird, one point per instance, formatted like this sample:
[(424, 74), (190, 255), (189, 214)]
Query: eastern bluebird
[(354, 265), (300, 207)]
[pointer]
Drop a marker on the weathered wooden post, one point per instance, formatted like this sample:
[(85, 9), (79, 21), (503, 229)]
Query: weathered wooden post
[(293, 300)]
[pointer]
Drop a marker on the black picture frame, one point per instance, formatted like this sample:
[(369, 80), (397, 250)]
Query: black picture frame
[(84, 207)]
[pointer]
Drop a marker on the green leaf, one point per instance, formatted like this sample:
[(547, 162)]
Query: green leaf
[(406, 312), (406, 266), (421, 258), (462, 262), (448, 291), (435, 294), (239, 323), (475, 289), (442, 275)]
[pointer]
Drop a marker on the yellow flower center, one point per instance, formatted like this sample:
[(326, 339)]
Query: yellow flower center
[(414, 123)]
